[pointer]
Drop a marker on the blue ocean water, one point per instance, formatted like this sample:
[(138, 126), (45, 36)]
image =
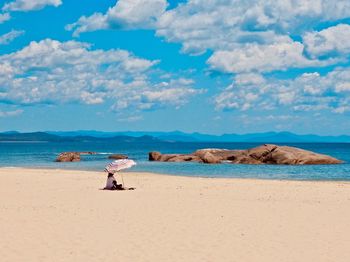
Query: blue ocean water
[(42, 155)]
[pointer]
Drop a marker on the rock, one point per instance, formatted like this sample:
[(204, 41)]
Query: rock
[(208, 157), (261, 152), (157, 156), (184, 158), (245, 159), (72, 156), (68, 157), (154, 156), (117, 156), (87, 153), (168, 157), (265, 154), (295, 156), (221, 154)]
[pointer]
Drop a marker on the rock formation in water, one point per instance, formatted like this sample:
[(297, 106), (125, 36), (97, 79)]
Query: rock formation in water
[(117, 156), (264, 154), (72, 156)]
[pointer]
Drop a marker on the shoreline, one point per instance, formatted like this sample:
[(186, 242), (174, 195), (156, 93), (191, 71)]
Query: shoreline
[(175, 175)]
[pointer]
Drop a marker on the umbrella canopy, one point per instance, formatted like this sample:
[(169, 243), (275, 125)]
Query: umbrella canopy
[(119, 164)]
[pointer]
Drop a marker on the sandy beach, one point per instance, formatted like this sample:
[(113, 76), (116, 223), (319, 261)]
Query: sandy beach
[(60, 215)]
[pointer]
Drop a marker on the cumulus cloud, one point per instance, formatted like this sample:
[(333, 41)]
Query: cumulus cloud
[(173, 93), (331, 41), (10, 36), (126, 14), (249, 79), (263, 58), (52, 72), (28, 5), (4, 17), (216, 24), (249, 35), (196, 17), (308, 92), (243, 35), (94, 22), (11, 113)]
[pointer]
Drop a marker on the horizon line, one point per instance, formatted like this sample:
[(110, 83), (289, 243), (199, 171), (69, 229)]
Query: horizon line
[(175, 131)]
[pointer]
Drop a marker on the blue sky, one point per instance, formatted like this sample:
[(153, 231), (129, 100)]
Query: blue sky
[(218, 66)]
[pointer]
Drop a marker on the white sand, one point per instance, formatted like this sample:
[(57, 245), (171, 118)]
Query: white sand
[(56, 215)]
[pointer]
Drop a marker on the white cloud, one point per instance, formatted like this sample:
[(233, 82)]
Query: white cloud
[(249, 79), (94, 22), (244, 35), (28, 5), (201, 25), (136, 13), (308, 92), (249, 36), (331, 41), (342, 109), (10, 36), (129, 119), (174, 93), (343, 87), (4, 17), (11, 113), (126, 14), (195, 19), (50, 71), (263, 58)]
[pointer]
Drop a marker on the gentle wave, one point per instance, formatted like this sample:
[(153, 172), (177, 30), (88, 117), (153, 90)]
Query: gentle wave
[(104, 153)]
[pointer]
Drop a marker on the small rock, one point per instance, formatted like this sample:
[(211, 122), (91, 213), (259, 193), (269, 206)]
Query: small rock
[(87, 153), (68, 157), (154, 156), (117, 156)]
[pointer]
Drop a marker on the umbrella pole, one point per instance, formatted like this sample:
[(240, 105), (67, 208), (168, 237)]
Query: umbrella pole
[(122, 179)]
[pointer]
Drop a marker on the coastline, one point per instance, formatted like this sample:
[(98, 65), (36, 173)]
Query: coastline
[(178, 175), (61, 215)]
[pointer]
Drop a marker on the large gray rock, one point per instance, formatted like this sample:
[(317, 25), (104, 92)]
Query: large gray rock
[(265, 154)]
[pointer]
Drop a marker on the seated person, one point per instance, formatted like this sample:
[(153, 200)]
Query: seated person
[(111, 183)]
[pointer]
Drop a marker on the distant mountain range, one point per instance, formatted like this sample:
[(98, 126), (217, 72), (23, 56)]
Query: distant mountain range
[(176, 136), (47, 137)]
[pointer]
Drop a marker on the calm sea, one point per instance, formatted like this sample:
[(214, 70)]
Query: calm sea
[(42, 155)]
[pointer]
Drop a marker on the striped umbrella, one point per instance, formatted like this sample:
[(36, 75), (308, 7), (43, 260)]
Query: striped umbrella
[(118, 165)]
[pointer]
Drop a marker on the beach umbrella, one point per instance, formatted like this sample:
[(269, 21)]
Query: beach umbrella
[(118, 165)]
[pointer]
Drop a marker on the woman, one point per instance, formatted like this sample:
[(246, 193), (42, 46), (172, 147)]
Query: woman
[(111, 183)]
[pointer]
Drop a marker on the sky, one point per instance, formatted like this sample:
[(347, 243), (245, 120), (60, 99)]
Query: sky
[(209, 66)]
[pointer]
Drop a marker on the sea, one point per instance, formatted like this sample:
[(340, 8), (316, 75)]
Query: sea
[(43, 155)]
